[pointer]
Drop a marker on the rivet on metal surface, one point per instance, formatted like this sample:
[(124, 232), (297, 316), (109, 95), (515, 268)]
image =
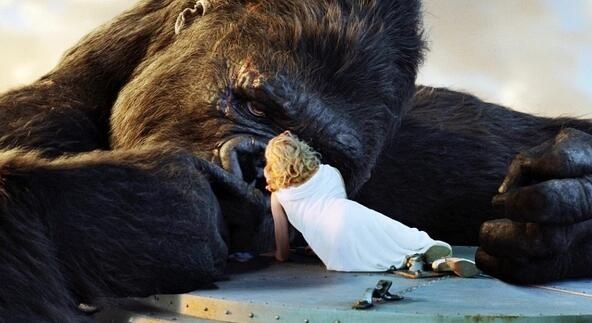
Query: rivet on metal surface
[(227, 312), (277, 317), (251, 315), (205, 309), (186, 305)]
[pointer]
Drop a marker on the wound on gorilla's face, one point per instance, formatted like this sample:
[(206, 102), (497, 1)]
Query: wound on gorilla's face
[(335, 73)]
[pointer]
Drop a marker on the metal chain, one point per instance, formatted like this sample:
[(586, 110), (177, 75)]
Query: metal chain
[(430, 282)]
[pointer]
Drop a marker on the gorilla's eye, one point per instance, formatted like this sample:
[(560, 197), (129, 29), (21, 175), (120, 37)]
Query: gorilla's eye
[(256, 109)]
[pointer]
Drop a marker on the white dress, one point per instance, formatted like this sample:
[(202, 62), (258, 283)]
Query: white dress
[(346, 235)]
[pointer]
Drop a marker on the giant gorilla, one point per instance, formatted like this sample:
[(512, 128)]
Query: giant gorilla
[(133, 166)]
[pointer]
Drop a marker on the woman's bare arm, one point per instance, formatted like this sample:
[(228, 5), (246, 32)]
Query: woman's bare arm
[(280, 223)]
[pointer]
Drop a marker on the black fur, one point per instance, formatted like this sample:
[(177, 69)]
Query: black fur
[(104, 223), (108, 163), (449, 158)]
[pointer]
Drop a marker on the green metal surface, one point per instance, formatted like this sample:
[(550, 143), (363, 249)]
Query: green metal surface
[(129, 310), (305, 292)]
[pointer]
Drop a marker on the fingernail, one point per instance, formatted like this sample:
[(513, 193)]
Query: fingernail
[(504, 187), (498, 200)]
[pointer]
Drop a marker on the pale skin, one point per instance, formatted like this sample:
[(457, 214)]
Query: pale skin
[(280, 219), (280, 223)]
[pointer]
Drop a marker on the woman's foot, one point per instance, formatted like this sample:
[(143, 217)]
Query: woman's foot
[(435, 252), (461, 267)]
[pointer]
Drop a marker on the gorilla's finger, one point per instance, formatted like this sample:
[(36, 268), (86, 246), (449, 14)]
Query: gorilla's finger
[(520, 270), (230, 150), (504, 237), (232, 184), (498, 266), (499, 201), (516, 239), (559, 201), (515, 176), (574, 263), (519, 173), (568, 155)]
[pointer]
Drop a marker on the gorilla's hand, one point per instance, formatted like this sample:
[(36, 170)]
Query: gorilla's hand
[(246, 209), (547, 198), (244, 194)]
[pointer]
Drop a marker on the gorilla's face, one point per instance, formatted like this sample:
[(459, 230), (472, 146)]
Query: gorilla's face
[(334, 72)]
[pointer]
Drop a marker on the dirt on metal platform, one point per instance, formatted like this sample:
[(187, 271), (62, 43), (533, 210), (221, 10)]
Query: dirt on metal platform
[(305, 291)]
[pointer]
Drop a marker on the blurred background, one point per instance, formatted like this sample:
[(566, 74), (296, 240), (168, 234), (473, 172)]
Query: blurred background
[(533, 56)]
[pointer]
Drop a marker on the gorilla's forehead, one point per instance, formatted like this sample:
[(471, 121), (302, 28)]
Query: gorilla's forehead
[(331, 46)]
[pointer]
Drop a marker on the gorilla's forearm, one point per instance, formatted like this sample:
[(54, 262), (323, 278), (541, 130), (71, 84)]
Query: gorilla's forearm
[(42, 118), (119, 223), (448, 160)]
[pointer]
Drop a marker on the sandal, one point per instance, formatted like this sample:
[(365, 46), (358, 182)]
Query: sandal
[(461, 267)]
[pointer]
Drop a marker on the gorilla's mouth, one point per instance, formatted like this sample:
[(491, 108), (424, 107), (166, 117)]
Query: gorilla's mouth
[(243, 156)]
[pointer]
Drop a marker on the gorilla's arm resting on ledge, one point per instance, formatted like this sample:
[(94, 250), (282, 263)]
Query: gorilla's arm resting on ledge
[(103, 224), (443, 182)]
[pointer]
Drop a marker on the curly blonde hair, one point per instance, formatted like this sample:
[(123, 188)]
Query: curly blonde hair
[(290, 161)]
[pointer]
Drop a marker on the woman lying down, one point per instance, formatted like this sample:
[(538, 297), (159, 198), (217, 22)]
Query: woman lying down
[(344, 234)]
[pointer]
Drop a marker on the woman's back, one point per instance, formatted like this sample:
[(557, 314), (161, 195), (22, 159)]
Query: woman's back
[(346, 235), (315, 208)]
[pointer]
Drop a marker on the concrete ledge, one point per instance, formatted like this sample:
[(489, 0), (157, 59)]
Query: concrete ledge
[(306, 292)]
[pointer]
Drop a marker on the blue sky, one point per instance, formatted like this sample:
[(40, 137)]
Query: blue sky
[(535, 56)]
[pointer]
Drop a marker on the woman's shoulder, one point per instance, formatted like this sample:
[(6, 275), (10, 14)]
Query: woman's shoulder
[(330, 169), (335, 175), (311, 185), (329, 166)]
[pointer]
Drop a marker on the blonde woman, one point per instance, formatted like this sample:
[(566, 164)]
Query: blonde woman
[(346, 235)]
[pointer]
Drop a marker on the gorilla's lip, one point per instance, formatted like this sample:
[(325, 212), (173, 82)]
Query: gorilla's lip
[(243, 156)]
